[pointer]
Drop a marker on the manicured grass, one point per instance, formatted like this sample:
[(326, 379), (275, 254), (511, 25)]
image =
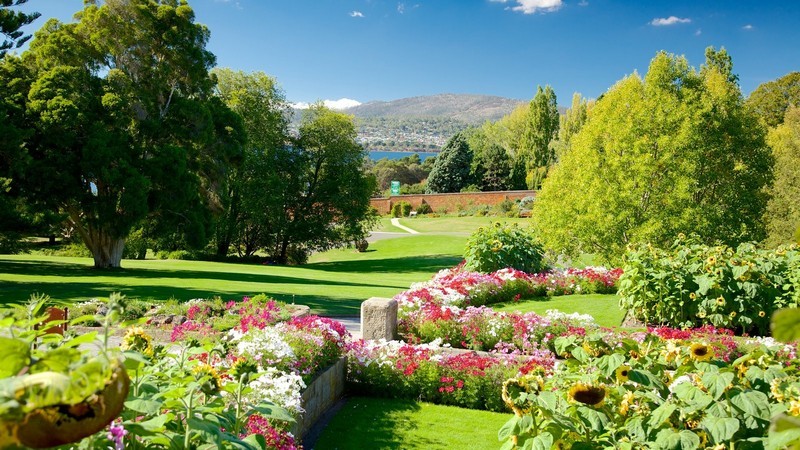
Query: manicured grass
[(368, 423), (462, 225), (603, 307), (333, 283)]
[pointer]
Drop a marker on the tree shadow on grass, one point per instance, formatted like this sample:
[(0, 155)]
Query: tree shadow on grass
[(66, 269), (428, 263)]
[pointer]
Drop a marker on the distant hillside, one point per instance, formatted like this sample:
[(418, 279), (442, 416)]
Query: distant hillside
[(422, 124), (467, 108)]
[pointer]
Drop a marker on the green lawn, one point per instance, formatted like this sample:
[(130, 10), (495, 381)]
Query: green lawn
[(333, 283), (462, 225), (368, 423), (603, 307)]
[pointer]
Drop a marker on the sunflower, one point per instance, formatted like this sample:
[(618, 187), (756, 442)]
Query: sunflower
[(703, 438), (761, 314), (497, 245), (794, 408), (138, 340), (587, 394), (243, 367), (701, 314), (623, 372), (692, 295), (701, 352), (732, 314), (721, 301), (513, 389), (208, 377), (627, 402), (711, 260)]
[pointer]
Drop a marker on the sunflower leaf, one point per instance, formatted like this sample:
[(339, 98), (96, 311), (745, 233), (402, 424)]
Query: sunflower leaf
[(786, 324)]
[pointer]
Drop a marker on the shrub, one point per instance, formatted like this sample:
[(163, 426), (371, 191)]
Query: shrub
[(401, 209), (692, 284), (297, 255), (499, 246), (424, 208), (362, 245), (135, 245)]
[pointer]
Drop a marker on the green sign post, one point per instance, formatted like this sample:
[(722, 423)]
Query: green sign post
[(395, 188)]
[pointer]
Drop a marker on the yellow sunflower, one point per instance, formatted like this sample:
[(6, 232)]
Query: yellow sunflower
[(209, 377), (623, 372), (721, 301), (136, 339), (700, 351), (692, 295), (761, 314), (588, 394), (627, 402), (794, 408), (732, 314)]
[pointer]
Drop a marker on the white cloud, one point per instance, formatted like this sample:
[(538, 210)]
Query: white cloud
[(671, 20), (401, 8), (747, 27), (342, 103), (583, 3), (356, 14), (532, 6), (698, 32)]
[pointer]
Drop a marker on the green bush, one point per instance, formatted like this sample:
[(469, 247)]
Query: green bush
[(692, 284), (401, 209), (503, 245), (70, 249), (424, 208), (135, 245)]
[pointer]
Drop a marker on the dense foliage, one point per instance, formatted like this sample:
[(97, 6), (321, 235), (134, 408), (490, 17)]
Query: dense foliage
[(783, 209), (664, 389), (674, 151), (10, 24), (120, 115), (772, 99), (501, 246), (451, 171), (691, 284)]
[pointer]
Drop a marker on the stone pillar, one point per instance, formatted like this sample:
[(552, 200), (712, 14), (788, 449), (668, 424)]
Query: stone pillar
[(379, 318)]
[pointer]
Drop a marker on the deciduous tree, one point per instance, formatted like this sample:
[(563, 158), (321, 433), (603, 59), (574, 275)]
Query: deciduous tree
[(125, 123), (770, 100), (540, 130), (783, 210), (675, 151)]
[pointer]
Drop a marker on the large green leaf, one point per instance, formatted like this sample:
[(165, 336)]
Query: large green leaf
[(14, 354), (754, 403), (608, 364), (508, 429), (716, 383), (147, 407), (721, 429), (677, 440), (694, 398), (542, 441), (661, 415), (786, 324)]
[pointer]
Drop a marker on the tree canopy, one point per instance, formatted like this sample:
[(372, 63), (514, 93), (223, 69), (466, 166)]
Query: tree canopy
[(540, 130), (10, 24), (675, 151), (783, 210), (125, 124), (770, 100), (452, 169)]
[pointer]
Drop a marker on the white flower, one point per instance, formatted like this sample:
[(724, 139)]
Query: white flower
[(283, 389)]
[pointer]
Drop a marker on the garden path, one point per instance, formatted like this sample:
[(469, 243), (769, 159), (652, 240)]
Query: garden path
[(396, 222)]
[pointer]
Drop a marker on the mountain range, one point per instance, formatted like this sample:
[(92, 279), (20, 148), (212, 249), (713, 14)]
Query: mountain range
[(423, 123)]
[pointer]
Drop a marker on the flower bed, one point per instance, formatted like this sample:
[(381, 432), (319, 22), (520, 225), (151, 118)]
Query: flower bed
[(428, 372), (446, 308)]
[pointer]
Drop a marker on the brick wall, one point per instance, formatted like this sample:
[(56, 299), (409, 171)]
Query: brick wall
[(449, 202)]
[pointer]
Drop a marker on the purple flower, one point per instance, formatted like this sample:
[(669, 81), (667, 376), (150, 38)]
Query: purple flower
[(115, 433)]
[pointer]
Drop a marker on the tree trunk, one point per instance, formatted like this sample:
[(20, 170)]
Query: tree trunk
[(107, 252)]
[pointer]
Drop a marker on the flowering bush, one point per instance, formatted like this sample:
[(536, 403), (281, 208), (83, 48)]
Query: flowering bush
[(691, 284), (442, 308), (503, 246), (667, 388), (425, 372)]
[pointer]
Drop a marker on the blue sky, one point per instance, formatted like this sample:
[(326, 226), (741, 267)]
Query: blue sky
[(383, 50)]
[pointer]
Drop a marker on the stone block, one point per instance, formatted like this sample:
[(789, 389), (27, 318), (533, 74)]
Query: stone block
[(379, 318)]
